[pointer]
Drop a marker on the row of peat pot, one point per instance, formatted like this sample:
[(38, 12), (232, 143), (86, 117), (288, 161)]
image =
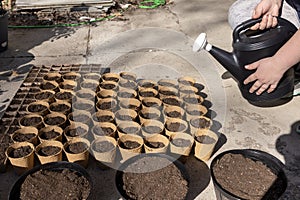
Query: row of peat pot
[(105, 148)]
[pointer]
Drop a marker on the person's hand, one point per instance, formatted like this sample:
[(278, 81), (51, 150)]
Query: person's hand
[(269, 11), (266, 77)]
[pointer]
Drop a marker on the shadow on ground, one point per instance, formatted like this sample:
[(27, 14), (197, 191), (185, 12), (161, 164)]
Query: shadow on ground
[(288, 146)]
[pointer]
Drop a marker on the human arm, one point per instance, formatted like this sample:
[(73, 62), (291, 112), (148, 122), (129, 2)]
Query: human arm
[(270, 70)]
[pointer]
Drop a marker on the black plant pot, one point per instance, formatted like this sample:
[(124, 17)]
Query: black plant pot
[(274, 164), (54, 166), (3, 30), (123, 166)]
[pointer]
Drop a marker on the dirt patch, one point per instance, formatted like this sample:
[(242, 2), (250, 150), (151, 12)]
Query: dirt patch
[(36, 108), (47, 135), (243, 177), (66, 185), (54, 120), (200, 123), (102, 131), (166, 183), (152, 129), (174, 114), (129, 130), (205, 139)]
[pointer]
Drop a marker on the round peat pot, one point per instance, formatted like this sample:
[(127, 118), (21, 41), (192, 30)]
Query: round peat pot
[(15, 191), (277, 188), (149, 165)]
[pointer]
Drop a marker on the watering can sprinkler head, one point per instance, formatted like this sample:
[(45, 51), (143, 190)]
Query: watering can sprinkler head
[(201, 43)]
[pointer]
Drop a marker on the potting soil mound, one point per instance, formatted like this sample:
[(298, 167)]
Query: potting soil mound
[(54, 185), (154, 178), (244, 177)]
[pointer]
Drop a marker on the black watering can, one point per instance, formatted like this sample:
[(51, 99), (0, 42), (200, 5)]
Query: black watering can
[(250, 46)]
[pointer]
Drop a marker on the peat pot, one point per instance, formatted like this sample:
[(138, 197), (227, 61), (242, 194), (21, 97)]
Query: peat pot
[(263, 162)]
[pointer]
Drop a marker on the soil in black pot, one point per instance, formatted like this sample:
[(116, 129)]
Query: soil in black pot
[(66, 185), (179, 142), (103, 131), (205, 139), (103, 146), (31, 121), (77, 147), (175, 127), (243, 177), (171, 101), (155, 145), (36, 108), (174, 114), (200, 123), (48, 150), (152, 129), (54, 120), (76, 131), (20, 152), (20, 137), (129, 144), (49, 135), (166, 183)]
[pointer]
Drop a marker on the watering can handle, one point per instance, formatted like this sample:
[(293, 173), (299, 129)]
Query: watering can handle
[(248, 24)]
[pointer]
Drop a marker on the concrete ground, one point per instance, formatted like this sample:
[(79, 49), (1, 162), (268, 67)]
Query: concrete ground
[(158, 44)]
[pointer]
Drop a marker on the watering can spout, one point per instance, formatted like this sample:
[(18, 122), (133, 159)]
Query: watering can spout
[(226, 59)]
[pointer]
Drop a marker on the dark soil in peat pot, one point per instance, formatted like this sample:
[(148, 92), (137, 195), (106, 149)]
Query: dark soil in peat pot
[(20, 152), (130, 130), (79, 118), (20, 137), (175, 127), (54, 120), (191, 100), (103, 118), (49, 150), (77, 147), (48, 86), (64, 95), (196, 112), (171, 101), (204, 139), (36, 108), (149, 115), (246, 178), (174, 114), (126, 95), (59, 107), (43, 95), (31, 121), (155, 178), (152, 129), (103, 146), (151, 104), (106, 105), (200, 123), (102, 131), (55, 185), (155, 145), (181, 142), (129, 144), (76, 131), (124, 117), (147, 94), (49, 135)]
